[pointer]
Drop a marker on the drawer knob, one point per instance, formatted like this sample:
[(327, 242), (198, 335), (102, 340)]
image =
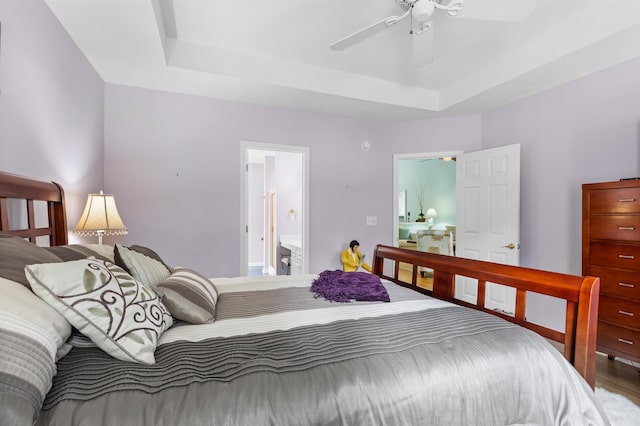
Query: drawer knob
[(629, 314), (626, 285), (626, 256), (626, 228), (627, 200), (628, 342)]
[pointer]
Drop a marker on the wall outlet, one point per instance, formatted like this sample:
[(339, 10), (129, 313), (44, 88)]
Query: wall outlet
[(372, 220)]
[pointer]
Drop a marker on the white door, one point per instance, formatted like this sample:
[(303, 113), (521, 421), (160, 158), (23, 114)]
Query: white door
[(488, 218)]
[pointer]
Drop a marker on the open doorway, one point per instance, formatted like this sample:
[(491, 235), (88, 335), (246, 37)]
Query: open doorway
[(274, 206), (424, 186), (424, 217)]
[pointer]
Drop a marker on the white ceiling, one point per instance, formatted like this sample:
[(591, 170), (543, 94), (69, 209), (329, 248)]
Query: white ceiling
[(277, 52)]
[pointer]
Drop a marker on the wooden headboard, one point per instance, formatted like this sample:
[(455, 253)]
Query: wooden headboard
[(580, 293), (20, 198)]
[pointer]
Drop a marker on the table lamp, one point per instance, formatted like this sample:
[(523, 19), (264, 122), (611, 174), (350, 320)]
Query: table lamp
[(431, 213), (100, 217)]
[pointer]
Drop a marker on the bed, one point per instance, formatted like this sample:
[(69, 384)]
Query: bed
[(267, 350)]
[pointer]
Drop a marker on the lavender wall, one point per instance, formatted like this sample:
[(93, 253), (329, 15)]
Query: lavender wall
[(288, 187), (580, 132), (51, 105), (162, 146), (584, 131), (174, 163)]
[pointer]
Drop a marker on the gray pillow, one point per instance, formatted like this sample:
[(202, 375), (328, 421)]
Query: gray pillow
[(188, 296), (16, 253), (139, 249), (143, 267), (83, 251)]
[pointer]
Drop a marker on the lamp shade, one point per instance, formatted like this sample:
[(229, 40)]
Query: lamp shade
[(432, 213), (100, 217)]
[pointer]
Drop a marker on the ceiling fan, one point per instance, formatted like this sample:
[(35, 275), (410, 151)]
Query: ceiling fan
[(420, 13)]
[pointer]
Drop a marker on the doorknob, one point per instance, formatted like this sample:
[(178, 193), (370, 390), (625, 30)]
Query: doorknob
[(511, 246)]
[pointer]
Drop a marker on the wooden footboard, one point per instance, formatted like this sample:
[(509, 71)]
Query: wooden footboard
[(581, 294)]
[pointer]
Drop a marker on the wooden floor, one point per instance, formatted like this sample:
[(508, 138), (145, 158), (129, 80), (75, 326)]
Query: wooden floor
[(619, 377), (615, 376), (424, 282)]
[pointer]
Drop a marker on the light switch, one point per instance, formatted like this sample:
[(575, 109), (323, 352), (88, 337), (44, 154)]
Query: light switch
[(372, 220)]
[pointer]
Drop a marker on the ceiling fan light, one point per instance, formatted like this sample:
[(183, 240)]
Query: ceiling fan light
[(423, 9), (424, 27)]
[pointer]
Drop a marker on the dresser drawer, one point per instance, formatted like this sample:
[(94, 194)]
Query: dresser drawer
[(615, 227), (619, 311), (613, 282), (619, 338), (615, 255), (620, 200)]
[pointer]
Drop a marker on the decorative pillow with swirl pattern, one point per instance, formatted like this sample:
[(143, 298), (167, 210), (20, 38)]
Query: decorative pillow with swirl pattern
[(121, 316)]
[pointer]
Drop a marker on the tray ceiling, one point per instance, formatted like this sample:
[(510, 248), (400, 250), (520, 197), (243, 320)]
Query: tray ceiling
[(276, 53)]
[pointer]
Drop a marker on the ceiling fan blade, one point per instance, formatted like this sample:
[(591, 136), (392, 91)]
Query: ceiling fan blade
[(367, 32), (497, 10)]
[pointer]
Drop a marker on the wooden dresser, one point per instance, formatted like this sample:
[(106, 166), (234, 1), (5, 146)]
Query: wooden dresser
[(611, 251)]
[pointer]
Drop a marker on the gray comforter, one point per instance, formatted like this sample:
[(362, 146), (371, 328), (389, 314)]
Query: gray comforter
[(278, 356)]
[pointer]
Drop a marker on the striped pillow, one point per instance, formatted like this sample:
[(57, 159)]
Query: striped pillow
[(188, 296), (142, 267), (33, 337), (27, 367)]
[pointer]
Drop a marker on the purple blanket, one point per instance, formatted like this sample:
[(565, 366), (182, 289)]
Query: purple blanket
[(341, 286)]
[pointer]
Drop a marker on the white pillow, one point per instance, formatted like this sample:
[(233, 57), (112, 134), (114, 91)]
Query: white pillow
[(121, 316)]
